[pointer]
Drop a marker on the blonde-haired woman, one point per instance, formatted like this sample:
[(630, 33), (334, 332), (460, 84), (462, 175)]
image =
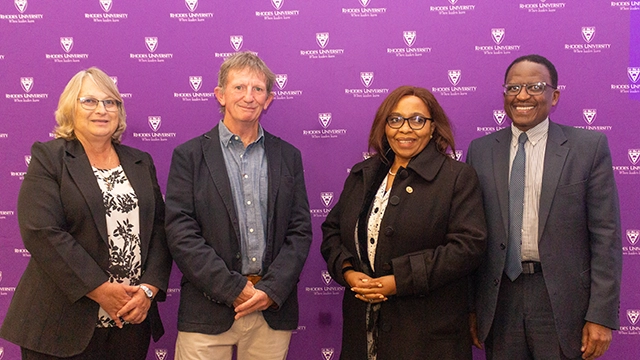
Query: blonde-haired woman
[(92, 216)]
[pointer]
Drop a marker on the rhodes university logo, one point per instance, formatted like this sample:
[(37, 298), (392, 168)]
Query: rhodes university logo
[(366, 78), (195, 82), (632, 315), (324, 119), (26, 83), (499, 116), (327, 198), (322, 39), (151, 42), (21, 5), (365, 3), (281, 81), (497, 35), (589, 115), (277, 4), (632, 236), (161, 354), (236, 42), (409, 37), (66, 43), (326, 277), (588, 32), (634, 154), (633, 73), (106, 5), (327, 353), (192, 5), (154, 122), (454, 76), (27, 160)]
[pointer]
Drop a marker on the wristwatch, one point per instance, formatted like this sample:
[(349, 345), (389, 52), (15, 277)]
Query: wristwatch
[(147, 291)]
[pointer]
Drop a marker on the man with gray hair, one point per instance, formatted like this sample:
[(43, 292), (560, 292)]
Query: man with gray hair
[(238, 226)]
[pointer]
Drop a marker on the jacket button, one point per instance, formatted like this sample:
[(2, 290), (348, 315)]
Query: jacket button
[(388, 231), (496, 282), (237, 255), (394, 200), (386, 327), (503, 246), (386, 266)]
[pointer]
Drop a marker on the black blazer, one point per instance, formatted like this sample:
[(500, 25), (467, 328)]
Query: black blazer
[(63, 225), (432, 237), (204, 238), (578, 229)]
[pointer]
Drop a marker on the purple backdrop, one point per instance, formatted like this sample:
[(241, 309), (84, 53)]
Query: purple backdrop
[(335, 61)]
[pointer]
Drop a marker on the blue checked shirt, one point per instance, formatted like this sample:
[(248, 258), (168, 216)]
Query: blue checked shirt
[(247, 171)]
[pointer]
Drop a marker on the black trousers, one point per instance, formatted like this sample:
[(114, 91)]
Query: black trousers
[(129, 343)]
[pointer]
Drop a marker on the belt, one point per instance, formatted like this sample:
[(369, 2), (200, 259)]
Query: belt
[(531, 267), (253, 278)]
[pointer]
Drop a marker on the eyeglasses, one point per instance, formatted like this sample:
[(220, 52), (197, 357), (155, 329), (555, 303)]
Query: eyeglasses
[(88, 103), (533, 89), (416, 122)]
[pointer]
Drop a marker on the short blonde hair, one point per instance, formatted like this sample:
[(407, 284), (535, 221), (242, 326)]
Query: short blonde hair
[(69, 101)]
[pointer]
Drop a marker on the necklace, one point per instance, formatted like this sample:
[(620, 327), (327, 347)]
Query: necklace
[(105, 165), (392, 173)]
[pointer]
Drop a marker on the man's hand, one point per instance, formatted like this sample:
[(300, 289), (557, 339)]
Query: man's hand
[(258, 302), (595, 340), (245, 295)]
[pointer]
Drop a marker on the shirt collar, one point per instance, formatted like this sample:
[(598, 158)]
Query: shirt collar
[(226, 136), (534, 134)]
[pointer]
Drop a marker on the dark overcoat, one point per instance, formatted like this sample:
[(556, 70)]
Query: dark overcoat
[(432, 237)]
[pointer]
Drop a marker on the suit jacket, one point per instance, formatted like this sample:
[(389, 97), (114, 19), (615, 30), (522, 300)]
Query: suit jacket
[(579, 229), (204, 237), (63, 225), (432, 237)]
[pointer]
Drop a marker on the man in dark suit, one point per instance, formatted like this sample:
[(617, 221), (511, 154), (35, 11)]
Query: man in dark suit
[(238, 226), (549, 287)]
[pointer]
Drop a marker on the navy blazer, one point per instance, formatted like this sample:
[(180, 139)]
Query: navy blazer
[(204, 237), (579, 229), (63, 225)]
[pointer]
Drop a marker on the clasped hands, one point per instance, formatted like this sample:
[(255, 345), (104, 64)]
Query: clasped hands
[(251, 300), (368, 289), (123, 302)]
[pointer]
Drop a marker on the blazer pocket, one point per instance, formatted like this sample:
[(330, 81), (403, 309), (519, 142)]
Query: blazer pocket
[(575, 188)]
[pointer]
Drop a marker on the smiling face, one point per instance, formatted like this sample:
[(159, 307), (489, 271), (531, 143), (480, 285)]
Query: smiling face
[(406, 142), (94, 125), (244, 97), (527, 111)]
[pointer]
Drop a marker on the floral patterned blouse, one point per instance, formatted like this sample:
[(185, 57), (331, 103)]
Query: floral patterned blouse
[(123, 228)]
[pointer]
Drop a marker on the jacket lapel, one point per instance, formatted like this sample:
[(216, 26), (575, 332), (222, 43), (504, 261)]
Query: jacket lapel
[(273, 151), (500, 156), (82, 174), (138, 175), (554, 159), (214, 159)]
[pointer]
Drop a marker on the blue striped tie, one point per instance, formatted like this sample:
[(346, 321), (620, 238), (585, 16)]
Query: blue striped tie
[(513, 267)]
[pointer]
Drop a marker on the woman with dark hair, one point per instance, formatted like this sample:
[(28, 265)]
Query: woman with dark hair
[(91, 215), (405, 236)]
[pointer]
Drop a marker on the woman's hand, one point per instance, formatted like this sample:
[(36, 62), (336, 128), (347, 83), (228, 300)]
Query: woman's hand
[(135, 311), (372, 290), (112, 297)]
